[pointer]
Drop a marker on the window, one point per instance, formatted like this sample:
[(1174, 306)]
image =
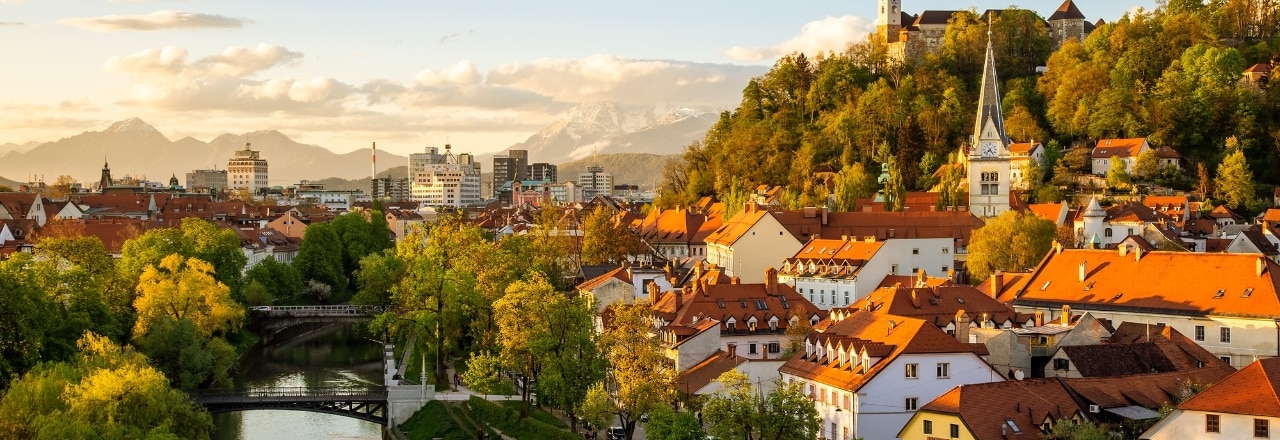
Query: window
[(1226, 359), (1013, 426), (1106, 232), (1261, 428), (915, 251), (955, 430), (752, 348), (913, 371), (944, 370), (1061, 364), (1224, 335), (893, 269), (1211, 423), (910, 403), (774, 347), (928, 426), (1200, 333), (946, 251)]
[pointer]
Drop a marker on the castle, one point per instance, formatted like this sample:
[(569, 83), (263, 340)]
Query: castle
[(912, 36)]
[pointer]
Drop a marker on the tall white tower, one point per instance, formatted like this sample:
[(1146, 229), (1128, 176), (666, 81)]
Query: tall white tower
[(989, 167), (889, 19)]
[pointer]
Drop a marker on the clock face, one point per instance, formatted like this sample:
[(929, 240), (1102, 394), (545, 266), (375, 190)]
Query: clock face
[(989, 149)]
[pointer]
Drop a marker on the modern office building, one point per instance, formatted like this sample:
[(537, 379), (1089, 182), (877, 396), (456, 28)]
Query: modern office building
[(247, 170)]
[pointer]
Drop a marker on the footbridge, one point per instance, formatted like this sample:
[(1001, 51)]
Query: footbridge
[(271, 319), (364, 403)]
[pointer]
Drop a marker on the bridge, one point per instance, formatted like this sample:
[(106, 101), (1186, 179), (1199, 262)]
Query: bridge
[(274, 312), (364, 403)]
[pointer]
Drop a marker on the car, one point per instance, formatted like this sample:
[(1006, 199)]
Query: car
[(644, 417), (617, 433), (261, 309)]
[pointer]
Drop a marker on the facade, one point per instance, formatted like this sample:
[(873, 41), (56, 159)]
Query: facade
[(868, 373), (1103, 228), (1021, 156), (513, 166), (543, 171), (750, 242), (1109, 150), (444, 180), (677, 234), (390, 188), (990, 160), (207, 181), (595, 181), (910, 37), (838, 272), (1227, 303), (247, 170)]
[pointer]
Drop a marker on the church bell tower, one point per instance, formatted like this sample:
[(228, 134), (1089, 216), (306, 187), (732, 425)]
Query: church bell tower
[(989, 165)]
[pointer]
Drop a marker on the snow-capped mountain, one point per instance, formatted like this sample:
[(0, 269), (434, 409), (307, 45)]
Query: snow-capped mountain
[(606, 128)]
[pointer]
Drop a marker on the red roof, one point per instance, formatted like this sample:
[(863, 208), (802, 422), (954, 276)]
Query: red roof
[(988, 408), (1067, 10), (1118, 148), (1250, 391), (937, 305)]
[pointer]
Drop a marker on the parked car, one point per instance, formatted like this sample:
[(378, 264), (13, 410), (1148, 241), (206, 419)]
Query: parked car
[(617, 433)]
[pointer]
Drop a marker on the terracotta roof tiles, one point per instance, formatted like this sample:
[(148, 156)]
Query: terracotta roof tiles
[(988, 409), (1254, 390), (1067, 11), (1118, 148)]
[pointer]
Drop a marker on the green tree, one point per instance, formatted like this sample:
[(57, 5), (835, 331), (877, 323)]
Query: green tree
[(604, 239), (255, 294), (640, 379), (320, 257), (24, 325), (1234, 183), (484, 373), (109, 392), (1067, 429), (356, 235), (1147, 166), (186, 356), (1012, 242), (281, 280), (379, 231), (668, 424), (196, 238), (1117, 175), (852, 183), (377, 276), (740, 410)]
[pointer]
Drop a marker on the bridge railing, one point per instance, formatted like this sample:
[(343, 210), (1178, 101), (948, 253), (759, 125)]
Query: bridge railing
[(329, 310), (284, 392)]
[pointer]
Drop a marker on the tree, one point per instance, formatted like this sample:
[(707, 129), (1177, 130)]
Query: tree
[(376, 278), (1013, 241), (1117, 175), (741, 411), (186, 356), (1234, 183), (185, 288), (1147, 166), (281, 280), (78, 281), (852, 183), (1067, 429), (356, 236), (605, 240), (668, 424), (640, 379), (24, 325), (220, 247), (320, 257), (796, 333), (255, 294), (108, 392), (62, 188), (484, 373)]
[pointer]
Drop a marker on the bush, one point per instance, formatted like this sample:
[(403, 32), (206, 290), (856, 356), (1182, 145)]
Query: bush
[(433, 421), (509, 422)]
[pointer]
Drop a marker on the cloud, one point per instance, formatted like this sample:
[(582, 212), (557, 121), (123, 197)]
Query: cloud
[(164, 78), (828, 34), (612, 78), (155, 21), (12, 23), (449, 38)]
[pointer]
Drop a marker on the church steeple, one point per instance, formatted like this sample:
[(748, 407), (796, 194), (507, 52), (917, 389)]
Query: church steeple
[(989, 124), (105, 181)]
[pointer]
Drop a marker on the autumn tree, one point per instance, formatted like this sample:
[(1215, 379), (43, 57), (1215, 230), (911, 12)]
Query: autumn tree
[(1147, 165), (484, 373), (852, 183), (741, 411), (1117, 176), (1234, 183), (196, 238), (640, 379), (604, 239), (107, 392), (1014, 242), (185, 288)]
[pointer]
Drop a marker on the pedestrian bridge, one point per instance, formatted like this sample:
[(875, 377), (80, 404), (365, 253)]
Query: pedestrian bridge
[(274, 312), (364, 403)]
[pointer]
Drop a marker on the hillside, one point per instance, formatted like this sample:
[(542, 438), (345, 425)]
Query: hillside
[(9, 183), (340, 184), (641, 169)]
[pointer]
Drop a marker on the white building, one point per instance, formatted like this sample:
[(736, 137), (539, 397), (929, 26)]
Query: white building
[(595, 182), (989, 161), (1110, 150), (868, 373), (444, 179), (246, 170), (1243, 405), (837, 273)]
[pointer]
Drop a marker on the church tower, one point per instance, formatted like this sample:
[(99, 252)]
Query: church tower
[(989, 175), (105, 180), (889, 19)]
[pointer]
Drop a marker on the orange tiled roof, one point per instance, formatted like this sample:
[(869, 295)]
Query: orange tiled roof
[(1145, 390), (734, 228), (1118, 147), (936, 305), (1023, 148), (1167, 152), (1259, 68), (1250, 391), (1272, 215), (733, 302), (1176, 282), (708, 370), (1047, 211), (1184, 353), (987, 408), (619, 274), (884, 337)]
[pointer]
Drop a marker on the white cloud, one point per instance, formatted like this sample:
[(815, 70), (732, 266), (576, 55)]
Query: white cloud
[(612, 78), (241, 61), (159, 20), (828, 34), (463, 73), (12, 23)]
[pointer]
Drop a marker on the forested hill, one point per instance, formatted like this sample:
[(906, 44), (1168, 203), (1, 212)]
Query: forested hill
[(1172, 75)]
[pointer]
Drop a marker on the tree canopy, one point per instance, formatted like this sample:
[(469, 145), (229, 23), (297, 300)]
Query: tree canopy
[(1014, 242)]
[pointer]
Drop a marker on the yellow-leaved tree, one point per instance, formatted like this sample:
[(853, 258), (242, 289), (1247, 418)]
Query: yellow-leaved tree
[(185, 288)]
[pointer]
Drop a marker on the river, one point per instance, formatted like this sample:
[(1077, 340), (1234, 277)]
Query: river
[(333, 355)]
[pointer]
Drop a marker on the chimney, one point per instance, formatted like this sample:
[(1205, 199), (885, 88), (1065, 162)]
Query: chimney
[(824, 215), (733, 351), (922, 280), (1084, 266), (771, 281), (1260, 267), (679, 291), (735, 280), (997, 283), (1039, 318), (962, 326), (1137, 253), (652, 287), (702, 285), (749, 208), (1066, 315), (915, 298), (1124, 249)]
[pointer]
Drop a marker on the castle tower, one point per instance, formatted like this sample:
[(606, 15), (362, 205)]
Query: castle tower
[(105, 181), (1094, 219), (989, 168), (889, 19)]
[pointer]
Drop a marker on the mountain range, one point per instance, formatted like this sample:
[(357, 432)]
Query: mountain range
[(586, 133)]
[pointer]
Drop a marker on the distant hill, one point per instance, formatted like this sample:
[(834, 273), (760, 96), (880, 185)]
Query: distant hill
[(605, 128), (340, 184), (641, 169), (9, 183), (135, 148)]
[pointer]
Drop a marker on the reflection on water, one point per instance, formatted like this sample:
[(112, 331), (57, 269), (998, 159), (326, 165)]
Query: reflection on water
[(334, 355)]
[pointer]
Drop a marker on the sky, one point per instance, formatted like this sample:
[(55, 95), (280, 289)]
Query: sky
[(480, 74)]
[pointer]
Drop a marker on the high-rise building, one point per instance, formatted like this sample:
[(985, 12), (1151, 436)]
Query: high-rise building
[(205, 181), (512, 166), (390, 188), (444, 179), (595, 182), (247, 170), (542, 171)]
